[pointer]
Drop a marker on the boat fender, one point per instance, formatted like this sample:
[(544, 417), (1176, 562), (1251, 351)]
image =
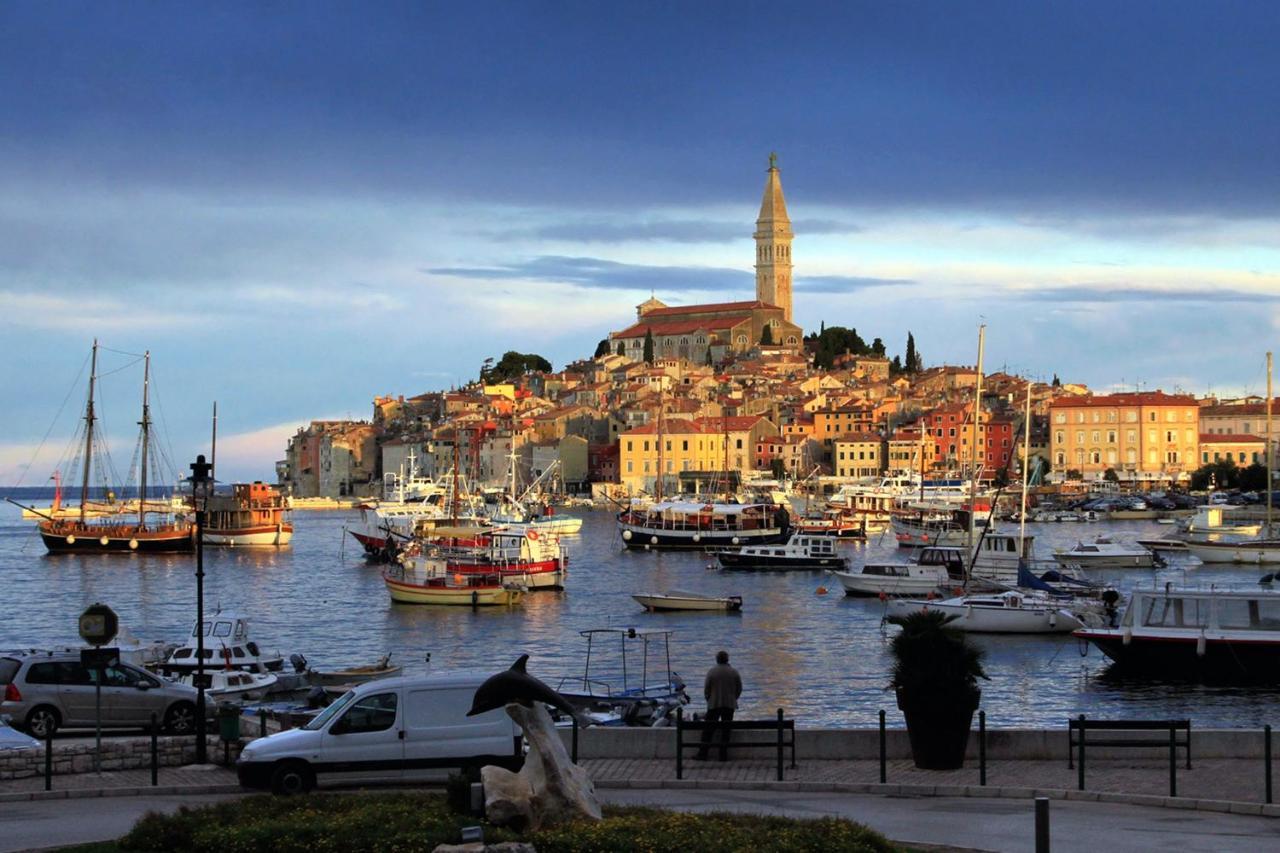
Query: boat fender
[(71, 539), (1053, 619), (133, 544), (1202, 646), (1127, 637), (822, 590), (531, 535), (653, 540), (475, 598), (736, 541), (626, 535), (697, 537), (884, 596), (104, 541)]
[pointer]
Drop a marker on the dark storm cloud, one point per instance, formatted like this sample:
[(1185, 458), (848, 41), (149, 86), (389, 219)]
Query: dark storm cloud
[(1150, 106), (600, 274)]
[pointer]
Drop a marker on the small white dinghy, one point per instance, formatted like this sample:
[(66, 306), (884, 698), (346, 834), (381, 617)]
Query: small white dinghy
[(687, 601), (233, 685)]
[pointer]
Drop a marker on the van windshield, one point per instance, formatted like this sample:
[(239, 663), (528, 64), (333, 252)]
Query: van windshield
[(322, 719)]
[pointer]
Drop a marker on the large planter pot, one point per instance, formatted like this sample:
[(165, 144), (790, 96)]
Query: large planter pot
[(938, 724)]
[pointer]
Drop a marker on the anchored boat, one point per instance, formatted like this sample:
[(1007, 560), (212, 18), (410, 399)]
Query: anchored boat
[(688, 525)]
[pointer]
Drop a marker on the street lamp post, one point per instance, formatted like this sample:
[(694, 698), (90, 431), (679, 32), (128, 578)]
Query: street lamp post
[(200, 483)]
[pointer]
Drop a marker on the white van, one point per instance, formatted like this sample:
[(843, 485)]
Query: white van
[(389, 730)]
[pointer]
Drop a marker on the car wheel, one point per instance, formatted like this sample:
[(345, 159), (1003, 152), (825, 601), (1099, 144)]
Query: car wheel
[(180, 719), (42, 722), (292, 777)]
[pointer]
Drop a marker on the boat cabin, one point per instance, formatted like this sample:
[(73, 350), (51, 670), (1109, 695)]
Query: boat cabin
[(226, 645), (1204, 609)]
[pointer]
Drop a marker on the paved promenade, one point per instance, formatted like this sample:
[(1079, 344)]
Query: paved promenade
[(1217, 784)]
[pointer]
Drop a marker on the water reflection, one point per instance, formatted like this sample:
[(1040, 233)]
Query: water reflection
[(824, 658)]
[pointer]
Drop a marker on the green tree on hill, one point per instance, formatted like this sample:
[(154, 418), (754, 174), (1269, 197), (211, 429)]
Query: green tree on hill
[(648, 346), (834, 341), (912, 362), (766, 336), (511, 366), (602, 348)]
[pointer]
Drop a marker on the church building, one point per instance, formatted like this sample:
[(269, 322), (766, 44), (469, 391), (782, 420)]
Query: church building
[(717, 330)]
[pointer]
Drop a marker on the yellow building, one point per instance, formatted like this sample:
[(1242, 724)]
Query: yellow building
[(1243, 450), (859, 454), (910, 450), (685, 446), (1149, 436)]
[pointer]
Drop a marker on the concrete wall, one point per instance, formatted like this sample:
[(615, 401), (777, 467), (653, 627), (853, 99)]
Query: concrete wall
[(117, 754), (864, 744)]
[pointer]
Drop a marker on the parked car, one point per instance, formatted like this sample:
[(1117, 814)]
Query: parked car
[(45, 691), (389, 730), (11, 738)]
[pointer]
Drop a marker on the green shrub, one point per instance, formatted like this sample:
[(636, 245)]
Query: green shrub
[(409, 822)]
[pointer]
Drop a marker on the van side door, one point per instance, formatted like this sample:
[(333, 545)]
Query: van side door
[(439, 735), (366, 742)]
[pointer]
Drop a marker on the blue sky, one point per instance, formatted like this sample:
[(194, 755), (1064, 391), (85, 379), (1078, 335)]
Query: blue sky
[(297, 206)]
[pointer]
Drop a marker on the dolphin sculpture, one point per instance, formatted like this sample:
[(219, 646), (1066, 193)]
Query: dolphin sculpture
[(516, 685)]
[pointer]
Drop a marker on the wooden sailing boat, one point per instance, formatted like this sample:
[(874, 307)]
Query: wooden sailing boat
[(85, 535), (1265, 548)]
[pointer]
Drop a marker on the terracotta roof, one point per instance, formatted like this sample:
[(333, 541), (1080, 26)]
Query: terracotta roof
[(859, 436), (680, 310), (1225, 438), (1143, 398), (670, 426), (740, 423), (1247, 409), (677, 327)]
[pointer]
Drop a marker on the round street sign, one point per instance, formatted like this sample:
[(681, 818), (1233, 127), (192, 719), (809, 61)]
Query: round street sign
[(98, 624)]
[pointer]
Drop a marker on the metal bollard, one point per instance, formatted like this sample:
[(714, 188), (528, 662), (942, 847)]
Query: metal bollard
[(48, 762), (884, 773), (982, 747), (1266, 757), (575, 740), (1042, 825), (679, 743), (1081, 761), (155, 751), (1173, 761)]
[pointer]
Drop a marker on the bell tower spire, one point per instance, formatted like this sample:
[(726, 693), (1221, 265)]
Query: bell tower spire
[(773, 245)]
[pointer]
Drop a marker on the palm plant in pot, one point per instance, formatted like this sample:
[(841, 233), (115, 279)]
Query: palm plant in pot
[(935, 675)]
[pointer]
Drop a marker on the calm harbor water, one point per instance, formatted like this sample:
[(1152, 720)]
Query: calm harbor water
[(822, 657)]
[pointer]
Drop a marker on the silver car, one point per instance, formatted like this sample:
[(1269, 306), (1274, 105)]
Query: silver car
[(43, 692)]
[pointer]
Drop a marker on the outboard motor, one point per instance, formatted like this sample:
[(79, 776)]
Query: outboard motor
[(299, 663), (317, 698)]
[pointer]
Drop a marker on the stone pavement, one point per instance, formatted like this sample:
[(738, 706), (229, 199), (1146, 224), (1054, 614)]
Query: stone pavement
[(1210, 784)]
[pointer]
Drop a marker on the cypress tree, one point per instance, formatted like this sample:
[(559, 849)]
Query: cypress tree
[(766, 337), (648, 345), (909, 362)]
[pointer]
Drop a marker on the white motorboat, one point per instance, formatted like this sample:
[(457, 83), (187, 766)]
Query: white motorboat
[(232, 685), (227, 645), (1004, 613), (1215, 635), (933, 569), (801, 552), (1104, 552), (1246, 550), (676, 600)]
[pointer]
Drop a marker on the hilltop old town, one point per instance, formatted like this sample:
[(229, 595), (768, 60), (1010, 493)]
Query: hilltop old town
[(738, 389)]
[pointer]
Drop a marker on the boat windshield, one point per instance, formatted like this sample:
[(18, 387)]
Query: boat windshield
[(322, 719)]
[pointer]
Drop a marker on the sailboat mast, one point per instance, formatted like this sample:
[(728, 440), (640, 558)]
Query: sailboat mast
[(977, 413), (661, 403), (1269, 459), (146, 431), (1026, 469), (213, 445), (88, 432)]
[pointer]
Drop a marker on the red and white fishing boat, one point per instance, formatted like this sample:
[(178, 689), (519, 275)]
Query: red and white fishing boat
[(253, 514), (532, 559)]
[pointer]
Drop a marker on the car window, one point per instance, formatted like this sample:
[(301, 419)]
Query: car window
[(43, 673), (121, 676), (374, 713), (72, 672), (8, 669)]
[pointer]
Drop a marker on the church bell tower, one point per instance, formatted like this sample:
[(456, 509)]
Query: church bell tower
[(773, 245)]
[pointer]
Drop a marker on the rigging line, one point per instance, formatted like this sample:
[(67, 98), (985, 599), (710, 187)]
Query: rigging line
[(120, 368), (164, 445), (136, 355), (35, 455)]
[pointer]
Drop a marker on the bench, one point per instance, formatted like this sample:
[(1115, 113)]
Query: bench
[(1174, 735), (784, 737)]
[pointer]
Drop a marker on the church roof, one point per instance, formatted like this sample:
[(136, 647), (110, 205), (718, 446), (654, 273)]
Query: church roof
[(707, 308), (678, 327)]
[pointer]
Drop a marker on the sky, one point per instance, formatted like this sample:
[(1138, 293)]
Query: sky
[(298, 206)]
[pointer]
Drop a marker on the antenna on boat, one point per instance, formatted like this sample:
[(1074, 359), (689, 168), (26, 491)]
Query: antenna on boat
[(213, 449)]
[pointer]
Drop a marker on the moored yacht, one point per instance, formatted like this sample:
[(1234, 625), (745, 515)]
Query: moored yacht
[(801, 552), (227, 645), (1105, 552), (1012, 612), (689, 525)]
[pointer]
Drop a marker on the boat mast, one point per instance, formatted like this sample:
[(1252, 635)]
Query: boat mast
[(213, 445), (146, 430), (661, 401), (1269, 460), (88, 431), (1026, 469), (977, 412)]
